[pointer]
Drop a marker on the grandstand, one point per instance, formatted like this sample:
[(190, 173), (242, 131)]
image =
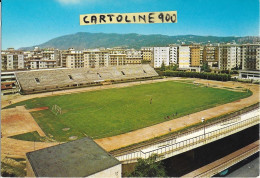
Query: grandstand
[(56, 79)]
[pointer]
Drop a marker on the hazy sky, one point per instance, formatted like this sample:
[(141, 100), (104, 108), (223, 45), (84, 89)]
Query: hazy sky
[(32, 22)]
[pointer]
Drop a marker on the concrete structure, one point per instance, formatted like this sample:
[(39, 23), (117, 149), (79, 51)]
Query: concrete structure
[(195, 56), (222, 164), (228, 57), (147, 54), (194, 138), (9, 83), (94, 58), (173, 54), (211, 56), (133, 56), (250, 54), (238, 57), (41, 58), (50, 54), (56, 79), (184, 57), (117, 57), (72, 58), (79, 158), (12, 59), (27, 57), (249, 75), (38, 63), (161, 55)]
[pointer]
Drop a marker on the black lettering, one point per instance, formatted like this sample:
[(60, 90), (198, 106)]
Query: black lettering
[(102, 17), (160, 16), (127, 19), (110, 17), (93, 19), (150, 18), (142, 17), (134, 18), (84, 19), (173, 21), (167, 17), (119, 18)]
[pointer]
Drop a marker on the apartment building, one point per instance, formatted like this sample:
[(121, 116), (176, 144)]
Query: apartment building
[(228, 57), (41, 58), (218, 57), (133, 56), (250, 55), (50, 54), (117, 56), (161, 55), (147, 53), (94, 58), (238, 56), (12, 59), (39, 62), (211, 56), (184, 57), (72, 58), (195, 56), (173, 54)]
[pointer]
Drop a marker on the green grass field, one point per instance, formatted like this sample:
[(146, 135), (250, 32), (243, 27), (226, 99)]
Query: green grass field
[(111, 112)]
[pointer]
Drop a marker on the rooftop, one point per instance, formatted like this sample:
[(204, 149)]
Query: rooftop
[(79, 158)]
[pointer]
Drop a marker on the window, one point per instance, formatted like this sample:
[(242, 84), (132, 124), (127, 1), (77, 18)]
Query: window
[(70, 77), (37, 80), (122, 72)]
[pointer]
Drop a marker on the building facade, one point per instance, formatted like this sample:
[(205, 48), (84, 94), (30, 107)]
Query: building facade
[(228, 57), (133, 56), (72, 58), (117, 57), (94, 58), (250, 54), (211, 56), (173, 54), (161, 55), (217, 57), (195, 56), (184, 57), (147, 54), (12, 59)]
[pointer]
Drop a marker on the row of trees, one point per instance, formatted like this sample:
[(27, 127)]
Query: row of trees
[(172, 67), (203, 75), (205, 68)]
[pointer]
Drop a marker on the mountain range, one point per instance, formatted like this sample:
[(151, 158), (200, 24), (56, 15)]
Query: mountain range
[(84, 40)]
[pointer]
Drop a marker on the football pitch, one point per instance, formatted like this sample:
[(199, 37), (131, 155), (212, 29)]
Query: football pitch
[(110, 112)]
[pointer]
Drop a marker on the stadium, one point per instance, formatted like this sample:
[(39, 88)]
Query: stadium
[(114, 111), (116, 106)]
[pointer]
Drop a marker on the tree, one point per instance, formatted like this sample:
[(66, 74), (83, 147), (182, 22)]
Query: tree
[(149, 168), (205, 67), (163, 66), (175, 67)]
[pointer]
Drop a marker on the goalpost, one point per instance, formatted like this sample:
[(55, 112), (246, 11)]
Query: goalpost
[(56, 109)]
